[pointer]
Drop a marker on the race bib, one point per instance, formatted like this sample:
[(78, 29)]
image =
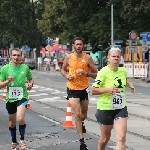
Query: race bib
[(117, 101), (15, 92), (88, 92)]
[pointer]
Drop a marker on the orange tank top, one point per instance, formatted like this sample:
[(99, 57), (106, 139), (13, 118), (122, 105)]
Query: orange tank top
[(80, 82)]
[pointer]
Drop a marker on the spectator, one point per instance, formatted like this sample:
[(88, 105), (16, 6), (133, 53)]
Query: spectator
[(121, 64), (55, 62), (47, 60), (97, 62), (4, 62)]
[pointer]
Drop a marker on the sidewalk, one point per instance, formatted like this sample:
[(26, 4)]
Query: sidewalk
[(140, 82)]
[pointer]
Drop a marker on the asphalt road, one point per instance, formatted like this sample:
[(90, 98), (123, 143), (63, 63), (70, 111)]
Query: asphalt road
[(58, 78), (44, 121)]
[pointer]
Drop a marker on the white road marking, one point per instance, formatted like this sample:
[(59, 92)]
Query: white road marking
[(139, 93), (94, 99), (113, 147), (49, 99), (42, 87), (32, 91), (35, 87), (46, 89), (40, 94), (133, 105), (51, 120), (46, 107), (56, 92)]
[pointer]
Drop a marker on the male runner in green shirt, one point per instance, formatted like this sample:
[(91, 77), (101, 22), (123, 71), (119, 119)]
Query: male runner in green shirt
[(13, 77)]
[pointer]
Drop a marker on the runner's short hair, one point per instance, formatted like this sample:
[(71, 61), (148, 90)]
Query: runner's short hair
[(78, 38), (16, 49)]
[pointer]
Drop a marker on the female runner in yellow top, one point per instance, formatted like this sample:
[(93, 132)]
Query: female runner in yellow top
[(110, 84)]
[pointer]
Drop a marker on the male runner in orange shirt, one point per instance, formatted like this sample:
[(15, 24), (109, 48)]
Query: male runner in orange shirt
[(81, 67)]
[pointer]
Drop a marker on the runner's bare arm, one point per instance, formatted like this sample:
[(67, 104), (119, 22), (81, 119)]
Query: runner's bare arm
[(65, 65), (31, 81), (3, 83), (91, 64), (98, 91), (130, 85)]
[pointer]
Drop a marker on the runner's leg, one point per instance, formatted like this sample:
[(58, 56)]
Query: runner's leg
[(21, 110), (120, 126), (104, 136), (84, 109), (12, 126), (75, 105), (11, 110)]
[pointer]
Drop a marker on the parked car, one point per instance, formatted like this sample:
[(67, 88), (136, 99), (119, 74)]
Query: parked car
[(2, 60), (31, 63)]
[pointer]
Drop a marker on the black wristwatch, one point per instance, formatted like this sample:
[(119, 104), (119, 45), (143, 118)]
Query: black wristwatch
[(87, 74)]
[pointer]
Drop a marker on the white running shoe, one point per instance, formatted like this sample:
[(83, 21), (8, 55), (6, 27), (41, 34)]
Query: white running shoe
[(15, 146), (23, 145)]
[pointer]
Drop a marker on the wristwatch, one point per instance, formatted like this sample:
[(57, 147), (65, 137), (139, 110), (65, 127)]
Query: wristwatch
[(87, 74)]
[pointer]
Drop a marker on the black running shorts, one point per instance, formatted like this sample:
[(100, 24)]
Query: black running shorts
[(107, 117), (12, 107), (81, 94)]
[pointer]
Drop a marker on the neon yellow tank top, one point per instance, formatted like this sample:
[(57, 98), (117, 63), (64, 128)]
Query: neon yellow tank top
[(108, 79)]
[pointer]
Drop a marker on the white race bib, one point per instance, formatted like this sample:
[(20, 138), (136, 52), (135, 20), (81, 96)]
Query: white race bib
[(88, 92), (15, 92), (117, 101)]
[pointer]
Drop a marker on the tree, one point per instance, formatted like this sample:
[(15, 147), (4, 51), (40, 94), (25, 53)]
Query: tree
[(22, 27)]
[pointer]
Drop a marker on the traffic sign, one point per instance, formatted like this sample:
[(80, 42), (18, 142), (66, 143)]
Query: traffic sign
[(133, 49), (132, 43), (25, 48), (144, 39), (118, 41), (56, 51), (118, 46), (48, 41), (148, 37), (143, 34), (48, 47), (133, 35), (144, 50), (144, 45)]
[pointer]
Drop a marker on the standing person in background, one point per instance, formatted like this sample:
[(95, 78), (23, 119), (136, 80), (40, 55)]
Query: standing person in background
[(22, 60), (47, 60), (121, 64), (81, 67), (13, 77), (97, 62), (55, 62), (110, 85), (104, 59), (4, 62)]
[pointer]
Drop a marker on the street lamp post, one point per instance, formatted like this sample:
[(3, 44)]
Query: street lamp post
[(112, 26)]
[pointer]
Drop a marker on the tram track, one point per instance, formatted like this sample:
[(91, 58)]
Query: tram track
[(93, 120)]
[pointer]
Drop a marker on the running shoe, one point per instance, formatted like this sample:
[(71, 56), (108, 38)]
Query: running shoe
[(83, 128), (15, 146), (23, 145), (83, 146)]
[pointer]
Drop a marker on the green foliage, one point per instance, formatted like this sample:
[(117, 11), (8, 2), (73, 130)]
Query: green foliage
[(31, 23), (96, 48), (18, 23)]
